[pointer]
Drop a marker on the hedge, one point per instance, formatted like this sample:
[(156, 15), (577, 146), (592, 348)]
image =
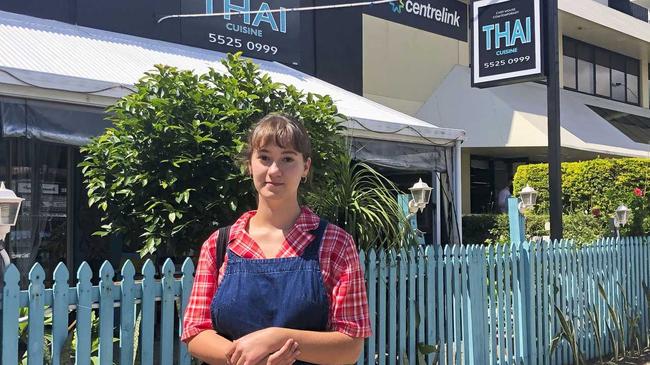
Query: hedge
[(494, 228), (599, 185)]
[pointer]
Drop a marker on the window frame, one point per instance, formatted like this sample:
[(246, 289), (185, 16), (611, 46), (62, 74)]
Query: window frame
[(571, 48)]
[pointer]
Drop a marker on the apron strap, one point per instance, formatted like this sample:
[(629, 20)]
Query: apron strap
[(222, 242), (311, 252)]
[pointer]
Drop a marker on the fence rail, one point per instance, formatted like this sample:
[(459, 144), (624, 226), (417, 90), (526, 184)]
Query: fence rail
[(478, 304)]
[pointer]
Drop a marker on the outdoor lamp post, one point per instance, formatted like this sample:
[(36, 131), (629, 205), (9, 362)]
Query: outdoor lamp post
[(620, 218), (9, 206), (528, 198), (420, 194), (516, 209)]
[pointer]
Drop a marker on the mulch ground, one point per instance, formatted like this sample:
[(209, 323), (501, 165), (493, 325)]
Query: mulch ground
[(644, 359)]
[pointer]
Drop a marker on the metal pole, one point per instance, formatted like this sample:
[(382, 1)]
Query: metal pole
[(437, 220), (458, 202), (553, 105)]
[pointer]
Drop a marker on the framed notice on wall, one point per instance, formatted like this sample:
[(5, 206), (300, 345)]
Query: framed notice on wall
[(506, 42)]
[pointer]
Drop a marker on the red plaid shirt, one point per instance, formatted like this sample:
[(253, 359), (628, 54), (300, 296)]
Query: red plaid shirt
[(339, 262)]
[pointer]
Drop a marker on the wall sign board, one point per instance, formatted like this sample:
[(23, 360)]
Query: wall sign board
[(506, 42), (444, 17), (265, 35)]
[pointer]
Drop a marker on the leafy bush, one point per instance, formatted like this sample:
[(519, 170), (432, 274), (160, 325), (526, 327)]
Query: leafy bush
[(167, 171), (494, 228), (600, 184), (363, 202), (477, 227)]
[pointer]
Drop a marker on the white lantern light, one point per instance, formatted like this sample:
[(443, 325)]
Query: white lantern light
[(9, 206), (528, 197), (421, 193), (621, 215)]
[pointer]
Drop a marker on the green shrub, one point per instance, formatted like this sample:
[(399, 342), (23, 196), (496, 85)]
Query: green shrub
[(167, 171), (584, 227), (495, 228), (476, 227), (601, 184)]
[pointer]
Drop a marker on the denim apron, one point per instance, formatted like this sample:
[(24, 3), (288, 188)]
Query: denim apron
[(283, 292)]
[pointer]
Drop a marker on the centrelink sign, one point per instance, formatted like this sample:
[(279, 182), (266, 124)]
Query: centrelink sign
[(506, 42), (444, 17), (260, 29)]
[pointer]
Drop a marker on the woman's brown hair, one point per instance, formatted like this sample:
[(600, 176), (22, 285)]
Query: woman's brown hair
[(282, 130)]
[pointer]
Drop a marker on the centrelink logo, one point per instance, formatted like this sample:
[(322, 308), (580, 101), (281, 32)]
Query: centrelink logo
[(397, 6), (425, 10)]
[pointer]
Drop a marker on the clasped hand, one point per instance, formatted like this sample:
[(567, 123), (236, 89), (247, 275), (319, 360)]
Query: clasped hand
[(263, 347)]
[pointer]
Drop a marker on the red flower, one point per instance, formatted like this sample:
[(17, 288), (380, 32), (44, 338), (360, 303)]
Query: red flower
[(638, 192)]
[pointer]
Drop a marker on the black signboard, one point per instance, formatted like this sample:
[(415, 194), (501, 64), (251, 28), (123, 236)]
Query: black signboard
[(506, 42), (265, 34), (444, 17)]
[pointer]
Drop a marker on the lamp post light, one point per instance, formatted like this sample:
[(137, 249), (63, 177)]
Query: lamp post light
[(516, 209), (620, 218), (420, 194), (9, 207)]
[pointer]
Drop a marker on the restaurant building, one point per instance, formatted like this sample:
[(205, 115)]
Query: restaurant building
[(65, 61)]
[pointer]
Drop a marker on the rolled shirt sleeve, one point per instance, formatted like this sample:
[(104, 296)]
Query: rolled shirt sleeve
[(197, 314)]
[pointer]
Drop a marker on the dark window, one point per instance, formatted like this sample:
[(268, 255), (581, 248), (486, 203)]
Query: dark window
[(4, 160), (39, 175), (632, 81), (569, 72), (569, 63), (596, 71), (603, 77), (618, 77)]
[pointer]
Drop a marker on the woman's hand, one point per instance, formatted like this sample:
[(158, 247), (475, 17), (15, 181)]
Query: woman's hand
[(287, 355), (254, 347)]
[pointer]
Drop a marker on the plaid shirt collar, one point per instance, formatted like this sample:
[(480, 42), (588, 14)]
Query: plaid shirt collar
[(298, 238)]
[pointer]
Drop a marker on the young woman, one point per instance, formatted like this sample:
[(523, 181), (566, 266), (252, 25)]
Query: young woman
[(290, 287)]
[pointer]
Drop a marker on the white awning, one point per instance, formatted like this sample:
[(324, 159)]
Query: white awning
[(516, 116), (55, 56)]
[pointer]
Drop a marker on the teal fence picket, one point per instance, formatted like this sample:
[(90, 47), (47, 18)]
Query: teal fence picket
[(59, 312), (401, 305), (381, 302), (106, 313), (36, 326), (84, 309), (362, 263), (148, 313), (127, 313), (186, 289), (392, 307), (10, 313), (167, 314), (371, 279)]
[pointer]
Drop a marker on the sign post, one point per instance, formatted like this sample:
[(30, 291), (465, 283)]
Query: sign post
[(507, 48), (553, 105)]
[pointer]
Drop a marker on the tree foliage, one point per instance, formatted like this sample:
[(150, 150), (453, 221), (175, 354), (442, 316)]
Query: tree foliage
[(168, 171)]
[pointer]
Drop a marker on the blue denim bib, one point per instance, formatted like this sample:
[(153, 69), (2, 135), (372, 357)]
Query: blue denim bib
[(283, 292)]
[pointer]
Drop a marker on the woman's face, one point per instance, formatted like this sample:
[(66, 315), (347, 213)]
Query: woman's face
[(277, 171)]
